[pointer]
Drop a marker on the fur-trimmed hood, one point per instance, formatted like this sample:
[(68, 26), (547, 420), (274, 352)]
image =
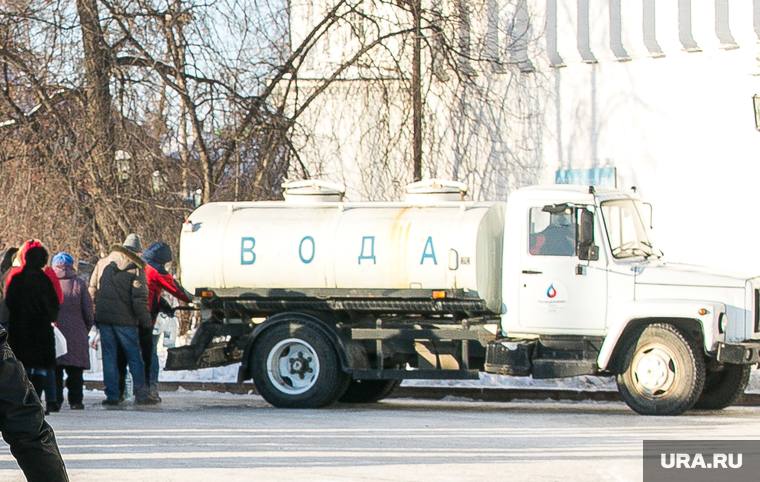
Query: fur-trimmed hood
[(123, 257), (119, 288)]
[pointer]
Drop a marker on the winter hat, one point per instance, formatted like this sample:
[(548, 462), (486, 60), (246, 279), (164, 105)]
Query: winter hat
[(36, 257), (132, 243), (63, 258), (157, 255)]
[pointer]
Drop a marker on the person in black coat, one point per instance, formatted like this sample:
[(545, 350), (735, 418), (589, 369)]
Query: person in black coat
[(6, 261), (33, 306), (22, 423)]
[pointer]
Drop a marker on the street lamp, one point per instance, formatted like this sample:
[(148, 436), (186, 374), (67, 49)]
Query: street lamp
[(123, 164), (158, 182)]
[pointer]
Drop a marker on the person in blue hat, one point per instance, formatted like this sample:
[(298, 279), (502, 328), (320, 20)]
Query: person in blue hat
[(75, 319)]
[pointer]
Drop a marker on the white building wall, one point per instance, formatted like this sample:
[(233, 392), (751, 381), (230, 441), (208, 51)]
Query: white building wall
[(679, 126), (675, 122)]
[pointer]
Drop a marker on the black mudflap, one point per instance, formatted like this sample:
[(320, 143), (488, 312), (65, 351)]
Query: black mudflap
[(181, 358), (509, 357)]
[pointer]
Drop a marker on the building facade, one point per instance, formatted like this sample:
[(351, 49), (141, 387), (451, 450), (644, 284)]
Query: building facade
[(644, 93)]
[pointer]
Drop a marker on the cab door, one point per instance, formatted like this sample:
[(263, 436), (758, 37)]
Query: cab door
[(560, 293)]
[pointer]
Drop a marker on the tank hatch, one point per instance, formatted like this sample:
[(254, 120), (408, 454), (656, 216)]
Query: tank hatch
[(429, 190), (312, 191)]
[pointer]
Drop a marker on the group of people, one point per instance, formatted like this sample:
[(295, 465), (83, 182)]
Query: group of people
[(123, 299), (126, 287)]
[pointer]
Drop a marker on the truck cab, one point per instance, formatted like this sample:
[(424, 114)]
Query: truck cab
[(584, 284)]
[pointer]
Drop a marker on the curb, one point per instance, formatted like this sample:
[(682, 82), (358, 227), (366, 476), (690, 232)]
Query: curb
[(435, 393)]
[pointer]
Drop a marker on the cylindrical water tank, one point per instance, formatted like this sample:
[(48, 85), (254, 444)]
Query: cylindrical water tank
[(346, 247)]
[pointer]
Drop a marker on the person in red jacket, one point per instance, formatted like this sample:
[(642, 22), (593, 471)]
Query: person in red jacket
[(27, 284), (20, 261), (156, 257)]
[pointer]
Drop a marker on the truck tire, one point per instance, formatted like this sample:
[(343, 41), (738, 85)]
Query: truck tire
[(663, 372), (723, 387), (369, 391), (295, 366)]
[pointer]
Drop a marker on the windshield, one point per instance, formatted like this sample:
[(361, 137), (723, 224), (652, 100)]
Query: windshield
[(626, 231)]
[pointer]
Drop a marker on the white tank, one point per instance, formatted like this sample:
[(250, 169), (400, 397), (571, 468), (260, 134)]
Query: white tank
[(438, 245)]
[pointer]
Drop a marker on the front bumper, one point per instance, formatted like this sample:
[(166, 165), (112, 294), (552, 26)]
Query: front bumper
[(745, 353)]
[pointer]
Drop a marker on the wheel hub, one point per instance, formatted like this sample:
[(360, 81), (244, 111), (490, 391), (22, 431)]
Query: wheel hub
[(300, 365), (654, 371), (293, 366)]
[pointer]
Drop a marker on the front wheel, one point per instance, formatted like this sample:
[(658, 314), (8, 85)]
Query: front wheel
[(723, 387), (295, 366), (664, 372)]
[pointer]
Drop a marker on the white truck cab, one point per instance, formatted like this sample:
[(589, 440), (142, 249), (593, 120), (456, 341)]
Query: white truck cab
[(324, 300), (613, 285)]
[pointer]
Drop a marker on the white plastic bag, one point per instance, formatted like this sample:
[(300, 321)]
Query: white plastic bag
[(61, 347)]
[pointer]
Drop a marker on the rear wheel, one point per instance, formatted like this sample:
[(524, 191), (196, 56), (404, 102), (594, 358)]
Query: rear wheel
[(369, 391), (295, 366), (664, 372), (723, 387)]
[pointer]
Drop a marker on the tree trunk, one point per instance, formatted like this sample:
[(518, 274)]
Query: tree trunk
[(417, 91), (99, 123)]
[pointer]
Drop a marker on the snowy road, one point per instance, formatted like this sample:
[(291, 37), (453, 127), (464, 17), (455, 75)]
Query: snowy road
[(205, 436)]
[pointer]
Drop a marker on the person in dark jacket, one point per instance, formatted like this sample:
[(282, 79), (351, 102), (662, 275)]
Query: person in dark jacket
[(33, 308), (22, 422), (19, 260), (6, 261), (156, 257), (121, 306), (75, 320)]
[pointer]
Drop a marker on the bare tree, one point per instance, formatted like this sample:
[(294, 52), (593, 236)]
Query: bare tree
[(114, 112)]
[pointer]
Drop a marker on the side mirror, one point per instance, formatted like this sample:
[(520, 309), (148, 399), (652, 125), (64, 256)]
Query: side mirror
[(648, 219), (584, 243)]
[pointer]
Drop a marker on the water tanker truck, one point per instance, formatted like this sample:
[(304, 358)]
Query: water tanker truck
[(322, 300)]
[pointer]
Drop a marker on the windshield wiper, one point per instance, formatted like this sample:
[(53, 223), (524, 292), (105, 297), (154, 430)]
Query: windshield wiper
[(651, 246)]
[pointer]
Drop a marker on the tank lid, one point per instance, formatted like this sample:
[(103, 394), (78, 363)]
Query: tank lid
[(439, 189), (310, 190)]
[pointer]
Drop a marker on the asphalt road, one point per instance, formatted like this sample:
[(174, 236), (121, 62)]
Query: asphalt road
[(196, 436)]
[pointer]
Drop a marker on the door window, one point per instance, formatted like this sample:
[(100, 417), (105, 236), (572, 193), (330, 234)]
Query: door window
[(551, 233)]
